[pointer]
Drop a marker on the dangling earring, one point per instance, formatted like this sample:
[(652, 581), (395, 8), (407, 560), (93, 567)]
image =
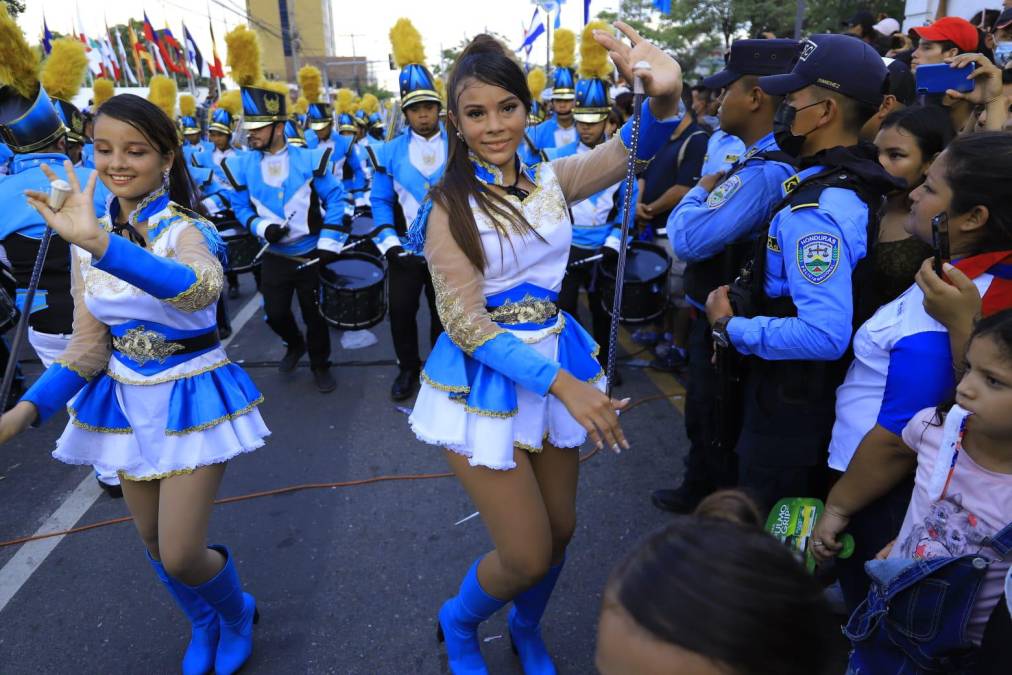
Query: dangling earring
[(165, 180), (460, 135)]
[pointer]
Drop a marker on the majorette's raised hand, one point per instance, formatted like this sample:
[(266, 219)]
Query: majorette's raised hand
[(662, 82), (75, 222)]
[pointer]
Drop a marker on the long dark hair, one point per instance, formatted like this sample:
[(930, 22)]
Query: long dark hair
[(484, 59), (154, 125), (930, 126), (729, 592), (977, 170)]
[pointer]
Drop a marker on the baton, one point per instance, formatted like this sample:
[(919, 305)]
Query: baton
[(58, 192), (630, 183)]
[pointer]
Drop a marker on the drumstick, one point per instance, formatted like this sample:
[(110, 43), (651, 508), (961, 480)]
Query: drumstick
[(263, 250), (630, 184), (307, 264), (351, 245), (593, 258)]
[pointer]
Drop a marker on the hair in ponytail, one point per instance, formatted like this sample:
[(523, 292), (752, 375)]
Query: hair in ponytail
[(486, 60), (154, 125)]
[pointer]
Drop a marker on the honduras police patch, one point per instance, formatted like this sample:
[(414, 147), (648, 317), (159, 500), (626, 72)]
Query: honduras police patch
[(723, 192), (818, 256)]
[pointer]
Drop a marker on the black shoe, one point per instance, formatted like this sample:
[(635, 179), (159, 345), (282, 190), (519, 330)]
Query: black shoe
[(291, 358), (680, 500), (233, 292), (404, 385), (224, 333), (114, 491), (325, 382)]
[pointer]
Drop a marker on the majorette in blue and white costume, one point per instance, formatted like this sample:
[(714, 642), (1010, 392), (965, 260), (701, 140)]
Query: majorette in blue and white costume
[(152, 392), (485, 385)]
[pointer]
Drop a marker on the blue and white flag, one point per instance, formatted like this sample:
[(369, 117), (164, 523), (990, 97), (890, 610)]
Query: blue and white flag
[(193, 55)]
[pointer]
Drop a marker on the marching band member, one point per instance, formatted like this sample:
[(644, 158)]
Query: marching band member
[(154, 396), (411, 163), (560, 129), (195, 149), (289, 196), (512, 389), (61, 77), (39, 138), (596, 220)]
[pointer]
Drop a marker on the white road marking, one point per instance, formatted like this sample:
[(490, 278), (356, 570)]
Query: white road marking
[(31, 555)]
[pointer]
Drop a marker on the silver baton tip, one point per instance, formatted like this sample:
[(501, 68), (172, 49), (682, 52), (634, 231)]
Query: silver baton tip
[(59, 190), (642, 65)]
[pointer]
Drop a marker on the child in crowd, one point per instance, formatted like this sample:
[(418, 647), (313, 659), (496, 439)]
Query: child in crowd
[(957, 532)]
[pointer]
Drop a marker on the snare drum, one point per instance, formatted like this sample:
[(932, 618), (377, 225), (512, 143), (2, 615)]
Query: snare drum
[(353, 291), (362, 228), (242, 248), (645, 291)]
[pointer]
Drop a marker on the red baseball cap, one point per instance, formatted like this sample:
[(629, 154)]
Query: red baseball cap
[(956, 30)]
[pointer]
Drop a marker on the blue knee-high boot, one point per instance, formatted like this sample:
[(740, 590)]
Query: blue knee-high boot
[(524, 625), (458, 624), (237, 611), (199, 657)]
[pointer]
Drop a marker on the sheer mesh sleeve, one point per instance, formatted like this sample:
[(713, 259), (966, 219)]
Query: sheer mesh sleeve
[(581, 176), (89, 349), (460, 296), (192, 251)]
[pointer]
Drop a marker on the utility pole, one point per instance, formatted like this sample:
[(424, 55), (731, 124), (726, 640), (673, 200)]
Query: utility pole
[(799, 19)]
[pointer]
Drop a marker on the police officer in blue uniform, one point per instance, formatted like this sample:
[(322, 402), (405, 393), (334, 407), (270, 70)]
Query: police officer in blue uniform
[(597, 220), (713, 229), (289, 196), (34, 131), (408, 165), (793, 311)]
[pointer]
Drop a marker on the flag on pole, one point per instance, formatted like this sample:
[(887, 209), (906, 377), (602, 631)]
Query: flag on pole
[(193, 55), (47, 37), (140, 55), (532, 38), (109, 58), (124, 60), (215, 67), (586, 12), (664, 6)]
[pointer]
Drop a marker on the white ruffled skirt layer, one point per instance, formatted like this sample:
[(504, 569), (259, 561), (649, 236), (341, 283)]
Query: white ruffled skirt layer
[(147, 451), (488, 440)]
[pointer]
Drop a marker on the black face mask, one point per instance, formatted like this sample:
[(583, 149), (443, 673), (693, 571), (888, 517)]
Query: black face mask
[(783, 120)]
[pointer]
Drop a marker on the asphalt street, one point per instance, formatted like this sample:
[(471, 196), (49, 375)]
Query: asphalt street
[(348, 580)]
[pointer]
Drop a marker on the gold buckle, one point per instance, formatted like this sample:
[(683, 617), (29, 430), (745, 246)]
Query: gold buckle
[(527, 310), (143, 345)]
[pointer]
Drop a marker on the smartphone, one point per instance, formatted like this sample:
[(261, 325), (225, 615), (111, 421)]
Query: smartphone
[(937, 78), (940, 240)]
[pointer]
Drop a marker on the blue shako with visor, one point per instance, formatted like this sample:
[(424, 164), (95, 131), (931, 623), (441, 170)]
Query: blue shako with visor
[(29, 124)]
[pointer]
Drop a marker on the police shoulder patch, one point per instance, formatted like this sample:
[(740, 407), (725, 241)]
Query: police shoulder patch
[(818, 256), (723, 192)]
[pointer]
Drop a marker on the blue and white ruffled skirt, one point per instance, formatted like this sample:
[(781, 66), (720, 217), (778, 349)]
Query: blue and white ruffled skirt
[(473, 410)]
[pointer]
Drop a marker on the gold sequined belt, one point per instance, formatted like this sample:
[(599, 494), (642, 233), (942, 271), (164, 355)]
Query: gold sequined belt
[(529, 310), (142, 345)]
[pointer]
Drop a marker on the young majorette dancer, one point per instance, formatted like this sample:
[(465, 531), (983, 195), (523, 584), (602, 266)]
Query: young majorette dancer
[(513, 387), (155, 398)]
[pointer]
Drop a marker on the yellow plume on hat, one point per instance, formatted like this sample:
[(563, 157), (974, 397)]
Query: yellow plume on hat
[(301, 106), (311, 83), (275, 86), (63, 71), (345, 102), (162, 92), (187, 105), (407, 43), (102, 90), (536, 81), (244, 56), (440, 88), (370, 104), (231, 101), (564, 48), (19, 66), (594, 61)]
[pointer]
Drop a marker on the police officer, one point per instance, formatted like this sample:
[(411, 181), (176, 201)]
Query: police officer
[(35, 133), (597, 221), (794, 315), (289, 196), (713, 229), (409, 164)]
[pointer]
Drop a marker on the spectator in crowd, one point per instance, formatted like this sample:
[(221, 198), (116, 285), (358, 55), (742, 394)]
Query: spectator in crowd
[(1001, 39), (902, 92), (862, 26), (710, 596), (944, 39), (959, 514), (902, 356)]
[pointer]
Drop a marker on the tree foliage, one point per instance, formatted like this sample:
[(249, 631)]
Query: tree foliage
[(15, 7)]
